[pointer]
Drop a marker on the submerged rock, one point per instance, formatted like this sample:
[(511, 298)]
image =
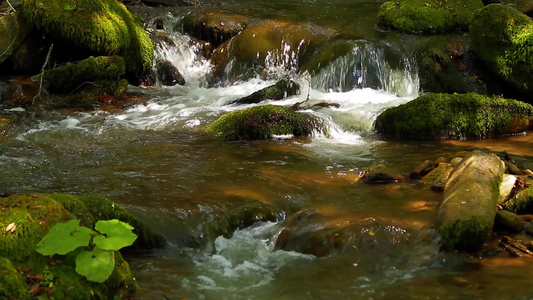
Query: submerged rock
[(168, 74), (284, 88), (263, 122), (466, 215), (438, 116), (215, 28), (503, 38), (104, 27), (29, 219), (13, 30), (438, 176), (508, 221), (422, 16), (378, 173)]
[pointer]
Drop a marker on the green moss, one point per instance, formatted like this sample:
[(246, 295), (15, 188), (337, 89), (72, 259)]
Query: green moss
[(91, 208), (522, 203), (427, 16), (102, 26), (72, 77), (466, 234), (12, 284), (13, 30), (262, 122), (503, 38), (471, 115)]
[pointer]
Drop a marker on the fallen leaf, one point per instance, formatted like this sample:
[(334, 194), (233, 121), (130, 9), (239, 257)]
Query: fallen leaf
[(371, 233), (11, 228), (35, 289)]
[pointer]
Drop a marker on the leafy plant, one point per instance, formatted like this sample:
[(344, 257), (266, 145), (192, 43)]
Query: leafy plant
[(97, 260)]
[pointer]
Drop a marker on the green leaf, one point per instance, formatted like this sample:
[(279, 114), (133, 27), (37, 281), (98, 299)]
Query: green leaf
[(96, 265), (64, 238), (118, 235)]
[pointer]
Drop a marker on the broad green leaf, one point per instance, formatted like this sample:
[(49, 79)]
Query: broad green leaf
[(117, 235), (96, 265), (63, 238)]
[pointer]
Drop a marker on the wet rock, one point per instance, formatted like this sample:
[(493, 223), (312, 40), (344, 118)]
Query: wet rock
[(501, 37), (161, 39), (17, 92), (420, 16), (438, 176), (506, 187), (466, 215), (13, 30), (521, 203), (455, 161), (313, 104), (328, 54), (169, 2), (440, 116), (29, 58), (284, 88), (276, 43), (263, 122), (422, 169), (33, 216), (378, 173), (86, 25), (507, 221), (528, 173), (215, 28), (67, 79), (168, 74), (511, 168), (311, 232)]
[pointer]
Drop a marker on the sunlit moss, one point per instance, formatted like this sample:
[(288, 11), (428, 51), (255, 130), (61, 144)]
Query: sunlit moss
[(471, 115), (105, 27), (522, 203), (427, 16), (503, 38), (263, 122), (466, 234)]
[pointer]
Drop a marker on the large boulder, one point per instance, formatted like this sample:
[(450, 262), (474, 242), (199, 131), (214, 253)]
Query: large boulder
[(427, 16), (13, 30), (104, 27), (466, 215), (271, 42), (263, 122), (438, 116), (503, 38)]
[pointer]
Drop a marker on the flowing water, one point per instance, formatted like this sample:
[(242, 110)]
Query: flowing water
[(154, 160)]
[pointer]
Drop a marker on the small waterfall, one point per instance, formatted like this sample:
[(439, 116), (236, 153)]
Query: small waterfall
[(366, 67)]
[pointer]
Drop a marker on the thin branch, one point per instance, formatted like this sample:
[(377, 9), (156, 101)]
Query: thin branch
[(42, 73), (8, 3)]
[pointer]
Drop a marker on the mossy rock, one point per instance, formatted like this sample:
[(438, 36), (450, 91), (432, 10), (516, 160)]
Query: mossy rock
[(215, 28), (427, 16), (522, 203), (378, 173), (282, 89), (13, 30), (12, 283), (503, 38), (263, 122), (33, 216), (72, 77), (508, 221), (441, 116), (90, 209), (439, 175), (104, 27)]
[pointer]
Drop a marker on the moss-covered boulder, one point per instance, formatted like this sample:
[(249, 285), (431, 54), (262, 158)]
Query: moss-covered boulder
[(71, 77), (274, 43), (521, 203), (215, 28), (440, 116), (282, 89), (104, 27), (25, 220), (466, 215), (13, 30), (427, 16), (263, 122), (503, 38), (12, 283)]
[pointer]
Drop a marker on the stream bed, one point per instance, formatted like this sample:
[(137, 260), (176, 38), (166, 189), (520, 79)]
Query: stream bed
[(154, 160)]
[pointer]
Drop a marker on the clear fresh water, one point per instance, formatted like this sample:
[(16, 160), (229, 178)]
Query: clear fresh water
[(154, 160)]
